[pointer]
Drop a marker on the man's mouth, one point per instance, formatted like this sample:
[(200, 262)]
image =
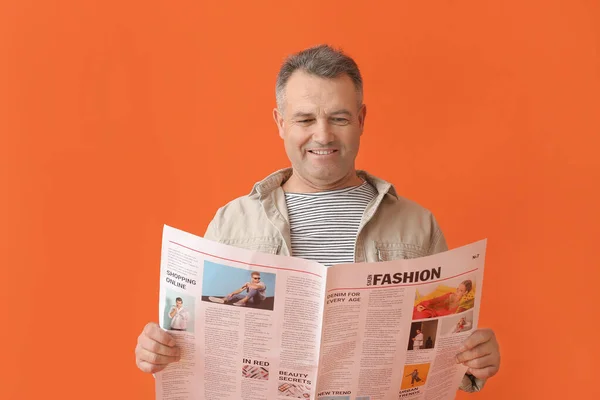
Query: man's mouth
[(322, 152)]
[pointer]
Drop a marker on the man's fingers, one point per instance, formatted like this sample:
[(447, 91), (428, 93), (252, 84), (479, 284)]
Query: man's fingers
[(483, 373), (149, 368), (481, 362), (481, 353), (153, 331), (144, 355), (476, 338), (474, 353), (155, 347)]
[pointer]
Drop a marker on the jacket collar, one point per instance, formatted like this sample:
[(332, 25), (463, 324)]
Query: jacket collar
[(277, 178)]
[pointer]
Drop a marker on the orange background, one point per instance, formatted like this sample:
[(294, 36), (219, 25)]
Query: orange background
[(119, 116)]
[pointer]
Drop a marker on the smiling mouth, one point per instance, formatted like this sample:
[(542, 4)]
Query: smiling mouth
[(322, 152)]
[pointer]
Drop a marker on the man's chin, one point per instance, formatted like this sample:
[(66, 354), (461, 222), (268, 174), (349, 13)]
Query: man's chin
[(327, 175)]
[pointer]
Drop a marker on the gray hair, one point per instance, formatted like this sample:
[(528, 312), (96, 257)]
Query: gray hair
[(322, 61)]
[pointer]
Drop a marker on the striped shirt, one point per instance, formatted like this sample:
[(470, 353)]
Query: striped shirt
[(324, 225)]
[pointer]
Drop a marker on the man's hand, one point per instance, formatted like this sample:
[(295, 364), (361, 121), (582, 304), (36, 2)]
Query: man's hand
[(481, 353), (155, 349)]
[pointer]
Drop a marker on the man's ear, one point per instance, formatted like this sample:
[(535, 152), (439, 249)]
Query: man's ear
[(278, 117), (362, 115)]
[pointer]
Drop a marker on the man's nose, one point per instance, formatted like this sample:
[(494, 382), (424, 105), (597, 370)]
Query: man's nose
[(322, 133)]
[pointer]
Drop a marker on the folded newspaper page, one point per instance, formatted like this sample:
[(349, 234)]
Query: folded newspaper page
[(257, 326)]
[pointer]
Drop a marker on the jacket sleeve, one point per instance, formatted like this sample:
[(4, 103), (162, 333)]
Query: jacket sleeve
[(438, 240), (471, 384), (212, 230)]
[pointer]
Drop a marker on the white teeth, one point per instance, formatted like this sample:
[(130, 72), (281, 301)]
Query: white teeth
[(322, 152)]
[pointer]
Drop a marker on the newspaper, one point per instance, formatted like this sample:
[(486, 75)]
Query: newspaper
[(257, 326)]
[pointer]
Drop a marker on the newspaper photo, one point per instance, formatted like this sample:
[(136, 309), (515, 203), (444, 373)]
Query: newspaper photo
[(253, 325)]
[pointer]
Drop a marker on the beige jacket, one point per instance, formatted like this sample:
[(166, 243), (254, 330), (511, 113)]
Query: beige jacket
[(391, 228)]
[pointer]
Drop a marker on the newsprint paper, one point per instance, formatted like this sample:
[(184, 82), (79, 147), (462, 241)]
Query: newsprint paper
[(256, 326)]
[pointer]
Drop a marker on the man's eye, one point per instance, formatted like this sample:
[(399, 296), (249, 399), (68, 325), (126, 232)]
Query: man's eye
[(340, 120), (305, 121)]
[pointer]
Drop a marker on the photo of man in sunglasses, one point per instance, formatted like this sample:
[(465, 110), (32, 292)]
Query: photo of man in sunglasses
[(252, 292)]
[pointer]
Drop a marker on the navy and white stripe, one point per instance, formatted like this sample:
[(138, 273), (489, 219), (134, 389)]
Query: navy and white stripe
[(324, 225)]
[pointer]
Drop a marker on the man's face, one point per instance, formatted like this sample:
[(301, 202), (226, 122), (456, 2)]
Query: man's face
[(179, 303), (321, 127), (255, 278)]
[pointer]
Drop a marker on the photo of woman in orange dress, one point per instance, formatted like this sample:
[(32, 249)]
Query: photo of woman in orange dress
[(446, 304)]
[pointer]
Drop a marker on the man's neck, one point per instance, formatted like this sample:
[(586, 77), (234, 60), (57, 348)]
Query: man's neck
[(297, 184)]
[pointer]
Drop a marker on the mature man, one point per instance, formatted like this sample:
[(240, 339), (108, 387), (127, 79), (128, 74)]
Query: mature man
[(322, 208)]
